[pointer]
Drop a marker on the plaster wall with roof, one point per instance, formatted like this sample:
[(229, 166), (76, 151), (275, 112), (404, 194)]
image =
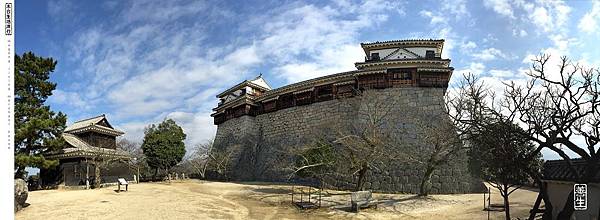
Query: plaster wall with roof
[(558, 193), (560, 179)]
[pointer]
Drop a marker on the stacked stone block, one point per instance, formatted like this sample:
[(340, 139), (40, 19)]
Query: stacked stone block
[(265, 140)]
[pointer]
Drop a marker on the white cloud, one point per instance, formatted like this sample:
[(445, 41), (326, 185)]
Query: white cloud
[(489, 54), (323, 37), (589, 22), (62, 11), (548, 16), (468, 46), (458, 8), (502, 7), (501, 73), (435, 18), (68, 98), (520, 33), (333, 61), (144, 69), (474, 68), (541, 18)]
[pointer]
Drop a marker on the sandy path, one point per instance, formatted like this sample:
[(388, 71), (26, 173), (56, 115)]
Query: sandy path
[(216, 200), (187, 200)]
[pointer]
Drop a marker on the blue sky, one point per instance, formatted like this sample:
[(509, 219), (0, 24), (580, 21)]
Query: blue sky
[(145, 60)]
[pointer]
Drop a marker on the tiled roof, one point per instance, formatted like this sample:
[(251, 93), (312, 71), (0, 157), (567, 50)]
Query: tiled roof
[(257, 82), (92, 124), (559, 170), (376, 44), (78, 148), (404, 41)]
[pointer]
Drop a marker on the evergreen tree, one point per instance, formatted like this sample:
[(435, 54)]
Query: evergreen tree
[(163, 145), (37, 128)]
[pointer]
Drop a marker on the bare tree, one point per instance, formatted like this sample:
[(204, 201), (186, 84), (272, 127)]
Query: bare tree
[(315, 160), (219, 161), (200, 158), (104, 159), (366, 143), (439, 144), (554, 108)]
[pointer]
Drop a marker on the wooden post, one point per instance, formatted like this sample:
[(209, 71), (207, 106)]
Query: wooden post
[(489, 202), (87, 174), (309, 189), (484, 200), (320, 193)]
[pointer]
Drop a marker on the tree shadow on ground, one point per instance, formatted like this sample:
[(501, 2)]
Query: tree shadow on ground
[(272, 191), (390, 201)]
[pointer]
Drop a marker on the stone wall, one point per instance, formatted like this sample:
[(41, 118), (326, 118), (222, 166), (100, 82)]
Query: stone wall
[(262, 144)]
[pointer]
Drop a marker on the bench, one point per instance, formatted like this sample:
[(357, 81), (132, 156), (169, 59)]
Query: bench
[(362, 199), (122, 181)]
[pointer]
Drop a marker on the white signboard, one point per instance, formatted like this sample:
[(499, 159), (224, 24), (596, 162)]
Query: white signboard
[(122, 181), (580, 196)]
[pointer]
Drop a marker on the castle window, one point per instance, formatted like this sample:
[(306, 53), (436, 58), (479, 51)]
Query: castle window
[(285, 101), (429, 54), (304, 98), (270, 106), (344, 90), (401, 76), (324, 93), (433, 79), (374, 81), (375, 56)]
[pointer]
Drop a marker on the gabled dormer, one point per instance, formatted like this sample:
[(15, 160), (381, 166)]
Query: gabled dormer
[(251, 88), (95, 132), (403, 49)]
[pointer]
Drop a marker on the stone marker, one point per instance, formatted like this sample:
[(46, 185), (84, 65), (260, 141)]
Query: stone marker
[(20, 194)]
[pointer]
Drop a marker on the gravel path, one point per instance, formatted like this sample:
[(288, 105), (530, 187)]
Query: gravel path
[(215, 200)]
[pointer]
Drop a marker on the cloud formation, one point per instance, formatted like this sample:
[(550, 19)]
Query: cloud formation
[(141, 63)]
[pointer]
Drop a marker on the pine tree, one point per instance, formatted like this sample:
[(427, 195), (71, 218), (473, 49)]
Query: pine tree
[(37, 128)]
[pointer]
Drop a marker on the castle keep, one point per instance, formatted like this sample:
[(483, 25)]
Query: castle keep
[(258, 124)]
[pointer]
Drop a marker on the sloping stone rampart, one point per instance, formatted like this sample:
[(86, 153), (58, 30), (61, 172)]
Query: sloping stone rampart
[(260, 143)]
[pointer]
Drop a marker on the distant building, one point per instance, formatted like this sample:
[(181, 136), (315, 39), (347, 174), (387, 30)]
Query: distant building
[(88, 141), (559, 180), (259, 123)]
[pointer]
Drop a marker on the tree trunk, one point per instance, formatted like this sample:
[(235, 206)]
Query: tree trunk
[(203, 171), (155, 173), (425, 186), (506, 204), (361, 178)]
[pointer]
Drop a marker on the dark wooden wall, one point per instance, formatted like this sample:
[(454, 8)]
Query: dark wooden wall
[(99, 140), (398, 77)]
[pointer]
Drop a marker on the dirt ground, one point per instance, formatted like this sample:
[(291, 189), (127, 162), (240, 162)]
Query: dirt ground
[(215, 200)]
